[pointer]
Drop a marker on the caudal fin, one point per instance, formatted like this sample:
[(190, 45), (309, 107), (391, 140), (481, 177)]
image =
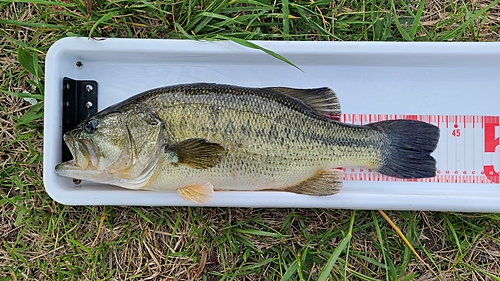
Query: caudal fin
[(408, 153)]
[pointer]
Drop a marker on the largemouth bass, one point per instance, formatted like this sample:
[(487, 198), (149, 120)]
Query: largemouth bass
[(197, 138)]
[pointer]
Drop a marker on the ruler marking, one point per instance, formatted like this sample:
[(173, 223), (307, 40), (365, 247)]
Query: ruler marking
[(460, 156), (441, 178)]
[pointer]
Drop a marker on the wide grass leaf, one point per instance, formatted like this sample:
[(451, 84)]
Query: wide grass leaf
[(29, 62)]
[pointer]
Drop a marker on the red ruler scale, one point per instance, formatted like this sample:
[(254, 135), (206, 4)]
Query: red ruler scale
[(466, 152)]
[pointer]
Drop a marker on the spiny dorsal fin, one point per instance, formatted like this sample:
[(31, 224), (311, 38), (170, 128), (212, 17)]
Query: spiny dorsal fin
[(325, 182), (322, 100), (197, 153)]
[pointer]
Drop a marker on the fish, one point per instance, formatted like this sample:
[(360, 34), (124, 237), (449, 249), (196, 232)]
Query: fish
[(198, 138)]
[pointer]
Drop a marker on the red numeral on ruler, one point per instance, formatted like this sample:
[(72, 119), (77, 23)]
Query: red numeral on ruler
[(490, 144)]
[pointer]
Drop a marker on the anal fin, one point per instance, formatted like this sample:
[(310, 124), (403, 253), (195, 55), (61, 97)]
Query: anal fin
[(323, 183), (200, 194)]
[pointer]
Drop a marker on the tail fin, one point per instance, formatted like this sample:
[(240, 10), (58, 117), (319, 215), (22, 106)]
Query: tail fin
[(408, 153)]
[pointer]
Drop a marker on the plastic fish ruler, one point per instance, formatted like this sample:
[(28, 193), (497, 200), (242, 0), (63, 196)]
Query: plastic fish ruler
[(467, 151)]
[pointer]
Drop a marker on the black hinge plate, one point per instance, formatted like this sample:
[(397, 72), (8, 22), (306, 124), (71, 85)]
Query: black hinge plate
[(79, 102)]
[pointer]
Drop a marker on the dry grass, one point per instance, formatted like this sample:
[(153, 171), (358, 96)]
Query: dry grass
[(43, 240)]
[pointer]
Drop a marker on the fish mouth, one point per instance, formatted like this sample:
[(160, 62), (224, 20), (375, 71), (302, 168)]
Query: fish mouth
[(84, 157), (89, 165)]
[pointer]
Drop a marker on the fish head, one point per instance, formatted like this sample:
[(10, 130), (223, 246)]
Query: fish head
[(120, 147)]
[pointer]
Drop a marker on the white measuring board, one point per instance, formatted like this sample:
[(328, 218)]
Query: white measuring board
[(465, 151), (453, 85)]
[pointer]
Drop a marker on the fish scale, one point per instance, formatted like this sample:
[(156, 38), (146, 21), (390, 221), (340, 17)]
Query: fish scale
[(305, 158), (467, 151)]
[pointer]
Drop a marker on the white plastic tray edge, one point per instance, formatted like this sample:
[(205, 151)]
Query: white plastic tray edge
[(345, 199)]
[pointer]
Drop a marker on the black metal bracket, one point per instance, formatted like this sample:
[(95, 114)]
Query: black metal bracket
[(79, 103)]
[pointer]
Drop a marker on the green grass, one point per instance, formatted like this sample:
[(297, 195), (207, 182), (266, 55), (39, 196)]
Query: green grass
[(43, 240)]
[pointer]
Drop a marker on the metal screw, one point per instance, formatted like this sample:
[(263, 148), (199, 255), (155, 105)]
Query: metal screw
[(89, 104), (89, 88)]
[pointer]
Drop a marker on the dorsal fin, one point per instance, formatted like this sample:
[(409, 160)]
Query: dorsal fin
[(322, 100)]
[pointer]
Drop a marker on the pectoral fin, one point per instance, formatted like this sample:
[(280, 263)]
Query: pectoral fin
[(325, 182), (196, 153), (197, 193)]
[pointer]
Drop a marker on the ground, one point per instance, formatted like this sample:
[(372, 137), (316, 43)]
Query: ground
[(44, 240)]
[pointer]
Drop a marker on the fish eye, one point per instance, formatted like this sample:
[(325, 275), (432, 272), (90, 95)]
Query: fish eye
[(90, 126)]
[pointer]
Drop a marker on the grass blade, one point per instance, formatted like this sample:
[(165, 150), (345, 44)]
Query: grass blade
[(249, 44), (416, 20), (22, 95), (29, 62), (104, 18), (256, 232), (401, 30), (209, 16), (121, 243), (182, 31), (325, 272), (492, 276), (362, 277), (101, 222), (289, 271), (452, 33), (40, 2), (453, 233), (286, 20), (144, 217), (398, 231), (29, 24), (381, 241)]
